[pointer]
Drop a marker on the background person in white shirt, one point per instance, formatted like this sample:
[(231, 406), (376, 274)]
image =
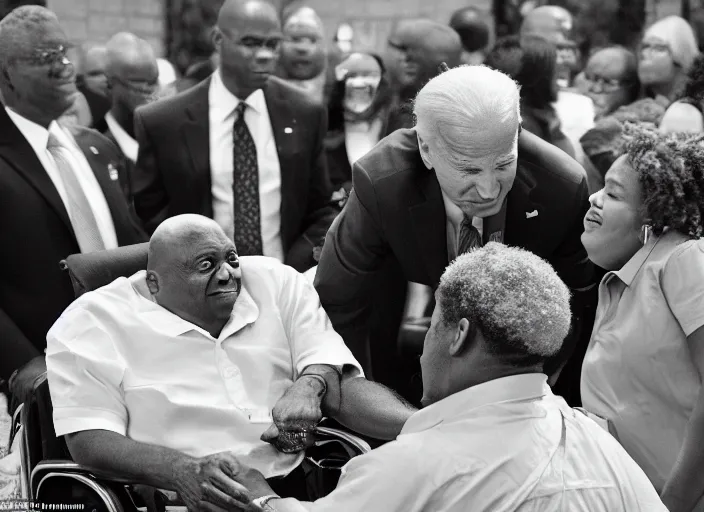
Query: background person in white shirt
[(492, 437), (161, 377)]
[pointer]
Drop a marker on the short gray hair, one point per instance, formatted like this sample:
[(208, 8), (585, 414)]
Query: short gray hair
[(18, 30), (514, 297), (456, 108)]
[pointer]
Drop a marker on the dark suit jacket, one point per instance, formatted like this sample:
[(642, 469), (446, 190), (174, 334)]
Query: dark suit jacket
[(36, 234), (173, 169), (396, 216), (126, 168)]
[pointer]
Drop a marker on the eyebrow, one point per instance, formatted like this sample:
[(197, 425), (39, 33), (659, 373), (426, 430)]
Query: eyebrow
[(613, 182)]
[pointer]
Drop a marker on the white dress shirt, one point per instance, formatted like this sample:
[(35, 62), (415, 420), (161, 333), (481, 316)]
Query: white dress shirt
[(222, 118), (38, 138), (502, 446), (118, 361), (128, 145)]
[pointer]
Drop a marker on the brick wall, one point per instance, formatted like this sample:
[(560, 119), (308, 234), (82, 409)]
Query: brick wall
[(95, 21)]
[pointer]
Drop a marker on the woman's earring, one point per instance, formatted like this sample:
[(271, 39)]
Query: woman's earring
[(645, 233)]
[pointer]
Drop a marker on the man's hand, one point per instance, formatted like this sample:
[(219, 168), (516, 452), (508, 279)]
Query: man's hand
[(208, 484), (22, 383), (295, 415)]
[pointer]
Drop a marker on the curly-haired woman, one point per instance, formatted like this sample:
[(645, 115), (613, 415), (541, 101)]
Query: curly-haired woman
[(645, 362)]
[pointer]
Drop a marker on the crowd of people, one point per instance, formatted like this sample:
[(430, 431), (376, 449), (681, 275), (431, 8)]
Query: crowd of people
[(529, 208)]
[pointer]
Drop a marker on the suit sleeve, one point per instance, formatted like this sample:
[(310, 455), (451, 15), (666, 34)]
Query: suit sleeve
[(15, 348), (319, 212), (355, 249), (581, 276), (150, 198)]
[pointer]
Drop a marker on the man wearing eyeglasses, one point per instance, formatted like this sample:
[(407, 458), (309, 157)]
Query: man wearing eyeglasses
[(59, 191), (243, 147), (611, 79), (133, 81)]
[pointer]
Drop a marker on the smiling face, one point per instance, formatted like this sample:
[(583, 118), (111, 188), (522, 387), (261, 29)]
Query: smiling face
[(197, 276), (41, 81), (612, 224), (479, 184)]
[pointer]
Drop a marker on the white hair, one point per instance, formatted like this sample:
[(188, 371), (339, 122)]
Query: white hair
[(467, 107), (513, 296)]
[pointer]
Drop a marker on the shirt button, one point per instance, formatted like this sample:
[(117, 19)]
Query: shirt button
[(230, 372)]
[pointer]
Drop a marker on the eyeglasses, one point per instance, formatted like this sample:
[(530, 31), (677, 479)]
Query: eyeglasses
[(654, 48), (48, 56), (599, 84)]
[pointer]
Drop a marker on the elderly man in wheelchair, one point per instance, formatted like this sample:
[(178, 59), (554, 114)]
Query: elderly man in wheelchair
[(205, 358)]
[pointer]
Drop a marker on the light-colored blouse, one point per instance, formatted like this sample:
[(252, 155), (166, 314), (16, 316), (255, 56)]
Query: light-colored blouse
[(639, 371)]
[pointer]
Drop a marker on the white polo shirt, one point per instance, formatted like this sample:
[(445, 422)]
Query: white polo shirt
[(503, 446), (118, 361)]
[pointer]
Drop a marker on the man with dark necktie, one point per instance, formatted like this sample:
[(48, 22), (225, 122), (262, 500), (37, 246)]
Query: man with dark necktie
[(243, 147), (60, 191), (464, 176)]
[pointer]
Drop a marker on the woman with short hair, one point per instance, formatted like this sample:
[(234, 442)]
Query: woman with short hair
[(645, 361)]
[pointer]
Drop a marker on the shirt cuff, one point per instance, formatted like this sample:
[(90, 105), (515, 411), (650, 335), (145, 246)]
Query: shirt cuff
[(68, 420)]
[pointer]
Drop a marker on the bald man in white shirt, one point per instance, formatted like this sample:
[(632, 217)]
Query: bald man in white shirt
[(202, 357)]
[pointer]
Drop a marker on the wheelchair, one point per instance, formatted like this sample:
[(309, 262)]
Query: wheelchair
[(51, 480)]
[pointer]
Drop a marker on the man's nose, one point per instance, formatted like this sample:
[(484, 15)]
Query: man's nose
[(225, 272), (265, 54), (487, 186)]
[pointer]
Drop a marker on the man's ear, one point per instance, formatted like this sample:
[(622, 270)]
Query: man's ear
[(465, 334), (152, 282), (216, 38), (424, 151)]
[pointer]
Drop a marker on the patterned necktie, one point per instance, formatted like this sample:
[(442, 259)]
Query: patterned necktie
[(470, 238), (248, 231), (79, 211)]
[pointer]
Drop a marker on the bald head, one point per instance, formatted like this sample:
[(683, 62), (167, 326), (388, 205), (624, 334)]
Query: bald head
[(174, 239), (235, 14), (193, 271), (125, 51), (417, 48), (548, 21), (132, 72), (95, 58)]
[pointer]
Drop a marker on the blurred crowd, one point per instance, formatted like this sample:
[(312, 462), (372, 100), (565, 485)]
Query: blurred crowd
[(368, 172)]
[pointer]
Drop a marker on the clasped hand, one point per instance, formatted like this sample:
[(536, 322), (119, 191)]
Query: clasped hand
[(295, 416)]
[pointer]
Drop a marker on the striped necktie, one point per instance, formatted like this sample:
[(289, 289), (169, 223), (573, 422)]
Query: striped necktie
[(248, 231), (470, 238), (81, 214)]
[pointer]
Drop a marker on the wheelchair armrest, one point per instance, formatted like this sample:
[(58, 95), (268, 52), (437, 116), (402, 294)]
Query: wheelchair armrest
[(69, 467), (333, 434)]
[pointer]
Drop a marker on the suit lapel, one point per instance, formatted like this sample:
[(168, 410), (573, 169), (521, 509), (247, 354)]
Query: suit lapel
[(106, 171), (522, 215), (19, 154), (285, 130), (196, 128), (430, 227)]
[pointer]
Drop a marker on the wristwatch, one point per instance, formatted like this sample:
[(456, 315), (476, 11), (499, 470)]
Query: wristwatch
[(262, 502)]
